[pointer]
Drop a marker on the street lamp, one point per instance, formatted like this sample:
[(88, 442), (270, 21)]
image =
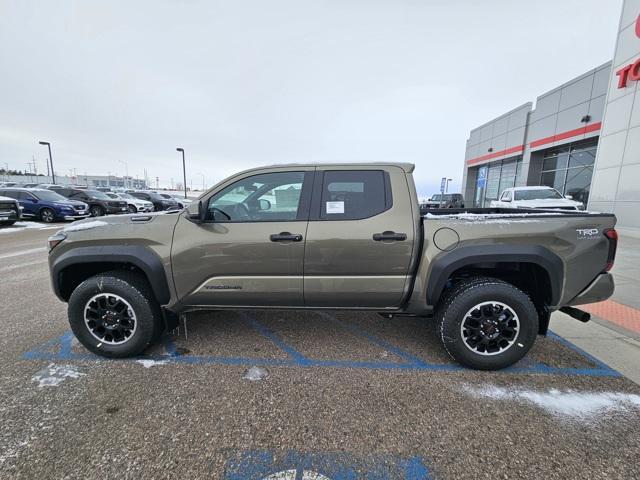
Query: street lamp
[(446, 187), (184, 171), (126, 168), (53, 174)]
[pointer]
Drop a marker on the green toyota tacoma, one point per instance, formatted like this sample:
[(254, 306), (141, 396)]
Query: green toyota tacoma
[(334, 236)]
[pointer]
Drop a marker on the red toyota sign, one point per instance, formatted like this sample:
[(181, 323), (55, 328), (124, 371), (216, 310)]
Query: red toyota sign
[(631, 71)]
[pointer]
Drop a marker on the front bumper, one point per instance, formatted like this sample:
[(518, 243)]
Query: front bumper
[(76, 217), (597, 291)]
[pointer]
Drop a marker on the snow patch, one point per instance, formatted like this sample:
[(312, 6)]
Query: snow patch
[(54, 375), (20, 226), (565, 404), (254, 374), (152, 363), (77, 227)]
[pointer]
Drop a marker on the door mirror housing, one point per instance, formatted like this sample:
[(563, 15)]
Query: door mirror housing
[(199, 216), (569, 197), (264, 204)]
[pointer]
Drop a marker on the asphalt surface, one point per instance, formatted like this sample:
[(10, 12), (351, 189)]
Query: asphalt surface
[(338, 395)]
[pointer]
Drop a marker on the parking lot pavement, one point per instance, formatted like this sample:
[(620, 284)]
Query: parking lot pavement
[(291, 395)]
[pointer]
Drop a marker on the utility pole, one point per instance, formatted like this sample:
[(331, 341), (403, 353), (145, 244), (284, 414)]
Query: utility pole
[(53, 173), (184, 171)]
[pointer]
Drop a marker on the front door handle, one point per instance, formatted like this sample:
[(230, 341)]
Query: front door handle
[(285, 237), (389, 235)]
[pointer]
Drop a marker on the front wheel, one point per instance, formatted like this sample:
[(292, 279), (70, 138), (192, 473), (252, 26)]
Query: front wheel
[(114, 314), (47, 215), (96, 211), (487, 324), (133, 209)]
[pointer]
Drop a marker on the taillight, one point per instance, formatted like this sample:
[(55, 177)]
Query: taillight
[(612, 235)]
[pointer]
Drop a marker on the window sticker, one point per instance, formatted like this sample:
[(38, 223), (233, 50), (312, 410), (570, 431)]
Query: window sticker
[(335, 207)]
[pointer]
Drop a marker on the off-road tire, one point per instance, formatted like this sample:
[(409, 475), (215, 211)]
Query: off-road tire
[(133, 288), (132, 209), (464, 296)]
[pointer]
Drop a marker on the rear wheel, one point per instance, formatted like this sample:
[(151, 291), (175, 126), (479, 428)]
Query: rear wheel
[(114, 314), (47, 215), (487, 323), (96, 211)]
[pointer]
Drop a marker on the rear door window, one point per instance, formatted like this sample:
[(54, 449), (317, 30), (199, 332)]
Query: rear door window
[(354, 194)]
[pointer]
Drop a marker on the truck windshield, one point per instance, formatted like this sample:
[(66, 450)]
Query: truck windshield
[(537, 194)]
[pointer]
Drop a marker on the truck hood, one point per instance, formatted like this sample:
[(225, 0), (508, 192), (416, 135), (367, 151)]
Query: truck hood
[(120, 226)]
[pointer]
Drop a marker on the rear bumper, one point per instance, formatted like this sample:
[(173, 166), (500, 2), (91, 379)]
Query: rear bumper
[(600, 289)]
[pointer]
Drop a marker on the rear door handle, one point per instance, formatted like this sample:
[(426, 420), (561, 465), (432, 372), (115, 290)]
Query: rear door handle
[(285, 237), (389, 235)]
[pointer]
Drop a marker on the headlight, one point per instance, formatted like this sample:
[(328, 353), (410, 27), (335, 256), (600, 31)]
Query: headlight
[(55, 239)]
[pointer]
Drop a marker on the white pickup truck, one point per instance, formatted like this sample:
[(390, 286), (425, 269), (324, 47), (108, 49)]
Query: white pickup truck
[(535, 197)]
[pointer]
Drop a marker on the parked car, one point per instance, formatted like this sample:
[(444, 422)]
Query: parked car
[(103, 189), (8, 184), (10, 211), (46, 205), (265, 238), (535, 197), (446, 200), (135, 204), (99, 203), (27, 185), (160, 203), (182, 202), (49, 186)]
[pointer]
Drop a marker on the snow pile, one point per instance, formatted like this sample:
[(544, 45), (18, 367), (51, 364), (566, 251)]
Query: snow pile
[(565, 404), (152, 363), (54, 375), (78, 227), (254, 374)]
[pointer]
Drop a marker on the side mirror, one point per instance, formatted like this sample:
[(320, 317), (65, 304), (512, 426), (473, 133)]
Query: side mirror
[(569, 197), (506, 200), (264, 204), (200, 216)]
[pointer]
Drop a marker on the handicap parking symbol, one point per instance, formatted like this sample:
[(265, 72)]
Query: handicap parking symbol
[(293, 465)]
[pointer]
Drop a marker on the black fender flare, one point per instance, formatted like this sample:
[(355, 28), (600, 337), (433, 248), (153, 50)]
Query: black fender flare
[(448, 262), (138, 255)]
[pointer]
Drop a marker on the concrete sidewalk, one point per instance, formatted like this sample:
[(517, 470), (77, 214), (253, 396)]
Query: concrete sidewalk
[(613, 335)]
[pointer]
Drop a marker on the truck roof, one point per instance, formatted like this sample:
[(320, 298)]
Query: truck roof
[(406, 166)]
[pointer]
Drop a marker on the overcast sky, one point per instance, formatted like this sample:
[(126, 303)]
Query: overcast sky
[(246, 83)]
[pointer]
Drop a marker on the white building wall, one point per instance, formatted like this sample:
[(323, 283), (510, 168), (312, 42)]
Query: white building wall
[(616, 180)]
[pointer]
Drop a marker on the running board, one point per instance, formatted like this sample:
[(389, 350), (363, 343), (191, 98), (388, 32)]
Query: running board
[(576, 313)]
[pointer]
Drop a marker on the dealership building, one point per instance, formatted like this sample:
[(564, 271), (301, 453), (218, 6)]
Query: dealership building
[(582, 138)]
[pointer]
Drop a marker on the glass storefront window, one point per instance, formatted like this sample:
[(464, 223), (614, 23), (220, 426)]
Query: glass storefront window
[(569, 170), (494, 178)]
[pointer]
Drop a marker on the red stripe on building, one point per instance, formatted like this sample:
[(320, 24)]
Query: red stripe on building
[(489, 156), (571, 133)]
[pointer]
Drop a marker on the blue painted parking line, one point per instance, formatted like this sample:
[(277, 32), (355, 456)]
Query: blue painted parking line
[(60, 348), (293, 465)]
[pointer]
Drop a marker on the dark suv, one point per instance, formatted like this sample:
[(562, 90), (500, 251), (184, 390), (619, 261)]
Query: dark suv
[(99, 203), (447, 200), (46, 205), (159, 202), (10, 211)]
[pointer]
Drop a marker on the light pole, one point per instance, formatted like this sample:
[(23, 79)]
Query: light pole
[(184, 171), (446, 187), (203, 187), (126, 169), (53, 174)]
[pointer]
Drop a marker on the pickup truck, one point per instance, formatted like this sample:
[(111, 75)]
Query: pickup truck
[(333, 236)]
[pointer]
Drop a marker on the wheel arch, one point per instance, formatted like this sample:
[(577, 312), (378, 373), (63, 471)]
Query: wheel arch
[(73, 267), (532, 268)]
